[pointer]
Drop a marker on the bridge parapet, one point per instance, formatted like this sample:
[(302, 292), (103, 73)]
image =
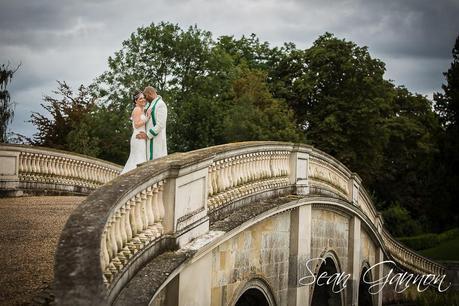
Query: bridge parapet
[(166, 203), (410, 259), (40, 170)]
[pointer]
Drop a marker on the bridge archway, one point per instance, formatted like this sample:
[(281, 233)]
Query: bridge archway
[(327, 294), (365, 298), (255, 292)]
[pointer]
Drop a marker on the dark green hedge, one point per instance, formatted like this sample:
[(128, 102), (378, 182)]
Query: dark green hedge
[(430, 240)]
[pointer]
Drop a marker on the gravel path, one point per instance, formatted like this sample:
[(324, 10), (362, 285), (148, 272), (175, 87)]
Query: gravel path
[(29, 230)]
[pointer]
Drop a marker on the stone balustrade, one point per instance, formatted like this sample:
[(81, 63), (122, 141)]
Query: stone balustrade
[(41, 170), (410, 259), (233, 178), (166, 203), (133, 224)]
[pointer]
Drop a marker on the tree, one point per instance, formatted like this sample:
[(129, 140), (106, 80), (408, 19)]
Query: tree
[(191, 75), (447, 103), (409, 154), (253, 114), (340, 98), (67, 129), (6, 107), (447, 106)]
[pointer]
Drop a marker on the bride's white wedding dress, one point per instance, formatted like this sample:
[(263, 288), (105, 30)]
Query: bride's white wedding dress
[(138, 153)]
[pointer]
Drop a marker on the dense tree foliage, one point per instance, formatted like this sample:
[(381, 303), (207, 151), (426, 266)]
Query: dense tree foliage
[(68, 128), (6, 107), (447, 165), (332, 95)]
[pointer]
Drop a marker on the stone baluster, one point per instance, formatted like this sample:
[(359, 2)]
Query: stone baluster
[(224, 171), (72, 166), (105, 257), (58, 167), (139, 219), (29, 163), (44, 167), (150, 211), (123, 228), (230, 173), (85, 173), (114, 243), (22, 164), (34, 163), (129, 246), (209, 182), (271, 164), (235, 172), (119, 233), (145, 216), (65, 172), (252, 167), (286, 163), (241, 170), (257, 167), (247, 168), (265, 165), (162, 211), (54, 165), (117, 230), (219, 177), (134, 226), (213, 178)]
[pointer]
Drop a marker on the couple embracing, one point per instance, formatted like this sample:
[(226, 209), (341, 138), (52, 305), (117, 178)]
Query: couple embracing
[(148, 140)]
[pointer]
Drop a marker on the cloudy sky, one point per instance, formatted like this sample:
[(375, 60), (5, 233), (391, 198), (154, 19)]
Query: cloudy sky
[(71, 40)]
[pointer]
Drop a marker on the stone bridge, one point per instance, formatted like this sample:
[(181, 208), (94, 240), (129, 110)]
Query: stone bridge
[(252, 223)]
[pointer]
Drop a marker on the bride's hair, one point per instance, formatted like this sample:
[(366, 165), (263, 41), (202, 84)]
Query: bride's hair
[(136, 95)]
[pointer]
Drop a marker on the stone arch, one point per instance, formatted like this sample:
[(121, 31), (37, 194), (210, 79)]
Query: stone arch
[(254, 292), (365, 298), (326, 295)]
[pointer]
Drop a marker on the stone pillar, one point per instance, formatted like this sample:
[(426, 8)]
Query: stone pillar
[(354, 261), (379, 275), (185, 202), (354, 188), (299, 166), (300, 253), (9, 173), (195, 283)]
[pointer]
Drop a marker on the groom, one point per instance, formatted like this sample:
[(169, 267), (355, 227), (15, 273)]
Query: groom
[(155, 127)]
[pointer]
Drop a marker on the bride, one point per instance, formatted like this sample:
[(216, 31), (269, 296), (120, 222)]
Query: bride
[(138, 151)]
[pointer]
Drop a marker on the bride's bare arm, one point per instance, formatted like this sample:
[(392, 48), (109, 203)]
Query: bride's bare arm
[(138, 117)]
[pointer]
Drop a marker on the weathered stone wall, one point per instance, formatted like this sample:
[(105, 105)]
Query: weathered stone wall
[(260, 251), (330, 232), (367, 249)]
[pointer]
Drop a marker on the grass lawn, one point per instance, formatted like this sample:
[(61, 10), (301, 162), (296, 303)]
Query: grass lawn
[(447, 250)]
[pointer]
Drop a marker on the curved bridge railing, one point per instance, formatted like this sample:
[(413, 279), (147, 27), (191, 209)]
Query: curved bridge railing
[(27, 169), (166, 203)]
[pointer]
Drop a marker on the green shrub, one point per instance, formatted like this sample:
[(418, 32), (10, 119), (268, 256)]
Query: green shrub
[(430, 240), (449, 234), (399, 222), (420, 242)]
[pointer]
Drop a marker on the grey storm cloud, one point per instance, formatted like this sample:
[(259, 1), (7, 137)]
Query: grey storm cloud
[(71, 40)]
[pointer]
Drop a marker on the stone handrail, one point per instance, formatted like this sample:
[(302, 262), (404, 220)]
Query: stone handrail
[(410, 259), (37, 169), (166, 203)]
